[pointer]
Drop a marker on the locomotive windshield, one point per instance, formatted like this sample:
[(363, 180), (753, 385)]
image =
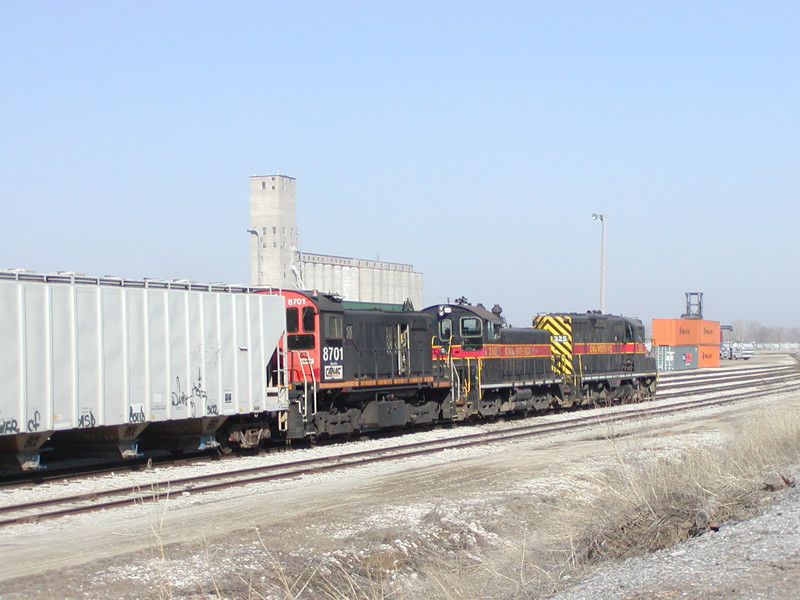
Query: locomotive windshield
[(471, 327), (635, 334), (292, 322), (308, 319), (297, 340), (471, 333)]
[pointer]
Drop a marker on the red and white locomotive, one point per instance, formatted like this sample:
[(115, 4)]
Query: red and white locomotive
[(351, 367)]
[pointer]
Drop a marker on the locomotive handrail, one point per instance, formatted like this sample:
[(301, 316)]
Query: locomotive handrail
[(468, 380), (282, 376), (304, 354), (455, 382), (282, 363)]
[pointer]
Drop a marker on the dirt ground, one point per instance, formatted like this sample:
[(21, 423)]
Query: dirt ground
[(390, 522)]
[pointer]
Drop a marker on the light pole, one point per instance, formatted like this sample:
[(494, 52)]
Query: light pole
[(257, 233), (297, 266), (602, 218)]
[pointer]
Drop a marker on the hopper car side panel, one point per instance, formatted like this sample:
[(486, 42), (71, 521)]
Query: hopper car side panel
[(98, 362)]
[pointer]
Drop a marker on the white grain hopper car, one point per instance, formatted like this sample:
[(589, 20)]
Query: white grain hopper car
[(99, 364)]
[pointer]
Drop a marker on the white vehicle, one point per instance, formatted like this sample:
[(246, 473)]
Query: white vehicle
[(742, 351)]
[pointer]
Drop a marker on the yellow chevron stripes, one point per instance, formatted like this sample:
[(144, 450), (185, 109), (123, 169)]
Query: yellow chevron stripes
[(560, 328)]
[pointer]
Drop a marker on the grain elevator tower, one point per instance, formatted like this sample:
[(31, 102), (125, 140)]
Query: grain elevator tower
[(274, 216)]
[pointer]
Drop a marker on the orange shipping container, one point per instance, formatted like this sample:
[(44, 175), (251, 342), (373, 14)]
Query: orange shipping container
[(707, 356), (676, 332), (685, 332), (709, 333)]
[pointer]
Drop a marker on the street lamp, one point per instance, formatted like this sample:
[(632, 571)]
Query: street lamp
[(257, 233), (602, 218)]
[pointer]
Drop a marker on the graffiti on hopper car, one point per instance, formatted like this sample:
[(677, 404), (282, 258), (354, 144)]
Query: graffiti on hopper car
[(187, 397), (136, 416), (181, 398), (33, 441), (9, 426), (87, 420), (197, 391), (35, 422)]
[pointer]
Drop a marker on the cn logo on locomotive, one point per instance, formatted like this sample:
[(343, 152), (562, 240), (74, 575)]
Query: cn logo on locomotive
[(334, 372)]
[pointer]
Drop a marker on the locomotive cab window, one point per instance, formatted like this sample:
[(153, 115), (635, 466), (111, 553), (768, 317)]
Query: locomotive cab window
[(308, 319), (292, 321), (333, 327), (301, 341), (629, 337), (471, 327), (471, 333), (445, 330), (295, 340)]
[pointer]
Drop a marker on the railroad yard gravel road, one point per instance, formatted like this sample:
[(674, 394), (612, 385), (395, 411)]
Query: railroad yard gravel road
[(228, 544)]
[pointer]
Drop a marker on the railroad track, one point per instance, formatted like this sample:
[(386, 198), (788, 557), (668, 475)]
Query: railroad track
[(669, 378), (780, 381), (671, 385), (676, 386)]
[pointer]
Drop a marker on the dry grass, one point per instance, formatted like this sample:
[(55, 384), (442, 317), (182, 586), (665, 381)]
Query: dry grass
[(650, 502)]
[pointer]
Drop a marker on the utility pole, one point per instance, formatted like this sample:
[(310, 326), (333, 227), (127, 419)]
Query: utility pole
[(602, 218), (257, 233)]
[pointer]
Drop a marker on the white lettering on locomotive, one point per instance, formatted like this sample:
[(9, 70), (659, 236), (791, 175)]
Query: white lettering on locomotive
[(332, 354)]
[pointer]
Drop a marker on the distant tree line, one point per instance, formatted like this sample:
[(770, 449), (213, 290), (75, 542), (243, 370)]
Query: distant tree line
[(753, 331)]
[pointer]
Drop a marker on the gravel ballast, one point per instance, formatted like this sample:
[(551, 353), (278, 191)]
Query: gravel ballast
[(756, 558)]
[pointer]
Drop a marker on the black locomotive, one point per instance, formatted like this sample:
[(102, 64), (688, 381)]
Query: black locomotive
[(352, 368)]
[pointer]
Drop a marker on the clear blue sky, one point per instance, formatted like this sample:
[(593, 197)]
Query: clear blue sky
[(472, 140)]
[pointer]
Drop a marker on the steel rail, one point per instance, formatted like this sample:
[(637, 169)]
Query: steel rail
[(738, 376), (352, 459), (710, 387), (687, 381)]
